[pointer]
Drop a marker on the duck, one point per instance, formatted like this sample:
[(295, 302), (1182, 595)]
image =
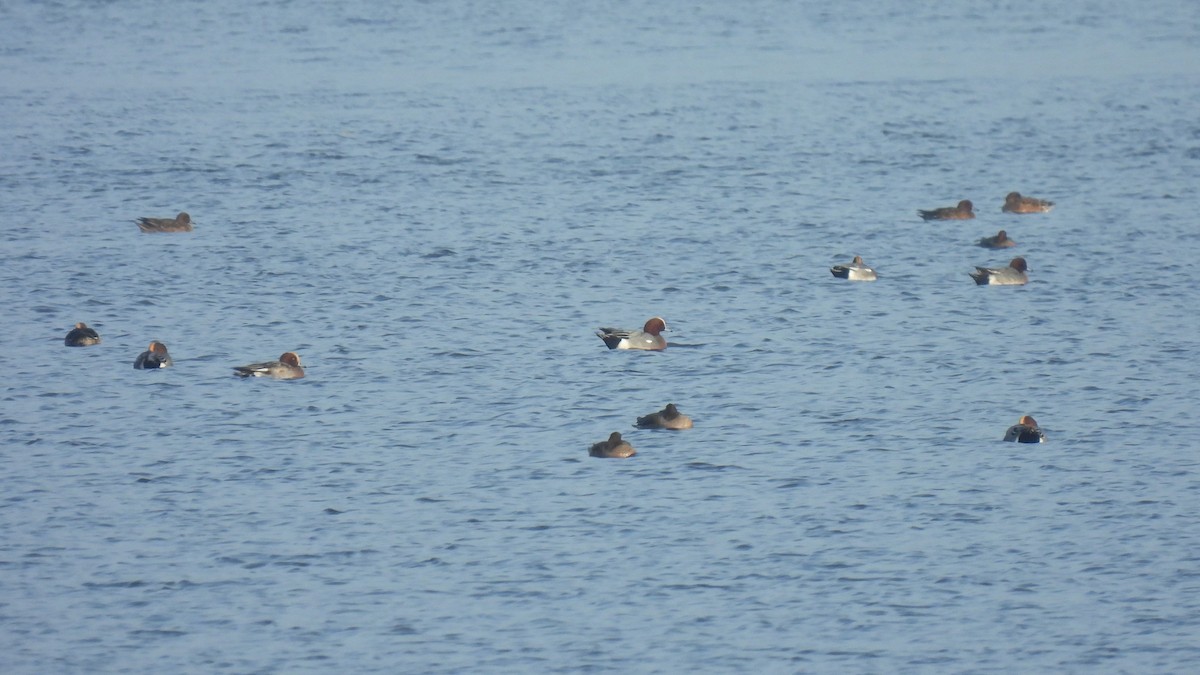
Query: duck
[(613, 448), (855, 271), (1013, 275), (648, 338), (667, 418), (1026, 430), (180, 223), (286, 368), (964, 211), (82, 336), (1016, 203), (1001, 240), (155, 356)]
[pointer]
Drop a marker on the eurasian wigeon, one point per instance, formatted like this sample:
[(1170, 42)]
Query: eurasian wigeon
[(613, 448), (855, 271), (1026, 430), (155, 356), (286, 368), (1015, 203), (180, 223), (1013, 275), (964, 211), (667, 418), (82, 336), (647, 338), (1001, 240)]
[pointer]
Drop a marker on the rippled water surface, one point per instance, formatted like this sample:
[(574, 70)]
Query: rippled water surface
[(435, 205)]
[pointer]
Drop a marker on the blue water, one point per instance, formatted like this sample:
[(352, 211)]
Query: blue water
[(435, 205)]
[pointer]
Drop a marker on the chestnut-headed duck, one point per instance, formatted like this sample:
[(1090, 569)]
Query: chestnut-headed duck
[(964, 211), (1015, 203), (286, 368), (180, 223), (613, 448), (855, 271), (155, 356), (648, 337), (1013, 275), (82, 336), (667, 418), (1001, 240), (1026, 430)]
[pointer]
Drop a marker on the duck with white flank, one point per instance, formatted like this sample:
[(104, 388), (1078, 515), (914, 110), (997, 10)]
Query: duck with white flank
[(648, 338), (1013, 275)]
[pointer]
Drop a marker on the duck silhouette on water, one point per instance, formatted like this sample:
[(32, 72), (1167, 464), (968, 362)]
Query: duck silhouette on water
[(614, 448), (1013, 275), (1026, 430), (155, 356), (180, 223), (286, 368), (82, 336), (857, 270), (667, 418), (648, 338), (1015, 202), (965, 210)]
